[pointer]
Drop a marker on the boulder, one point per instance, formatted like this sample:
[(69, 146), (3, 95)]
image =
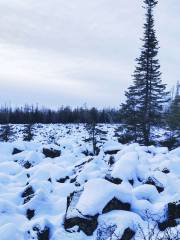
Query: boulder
[(116, 204), (30, 214), (111, 152), (153, 181), (28, 194), (128, 234), (174, 210), (63, 180), (41, 233), (16, 151), (98, 197), (109, 178), (166, 170), (51, 153), (125, 167), (173, 213), (87, 224), (27, 165), (112, 147)]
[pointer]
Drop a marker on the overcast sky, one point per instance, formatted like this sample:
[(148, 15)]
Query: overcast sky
[(72, 52)]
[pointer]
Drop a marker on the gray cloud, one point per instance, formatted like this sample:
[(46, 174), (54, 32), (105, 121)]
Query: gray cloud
[(69, 52)]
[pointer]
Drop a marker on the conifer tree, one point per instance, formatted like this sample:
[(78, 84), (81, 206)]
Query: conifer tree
[(28, 132), (145, 98), (5, 133), (173, 118)]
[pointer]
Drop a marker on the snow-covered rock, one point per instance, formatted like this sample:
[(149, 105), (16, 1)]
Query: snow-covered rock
[(125, 167), (98, 193), (112, 147)]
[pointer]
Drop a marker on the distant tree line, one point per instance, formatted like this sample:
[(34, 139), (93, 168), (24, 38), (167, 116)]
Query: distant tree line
[(31, 114)]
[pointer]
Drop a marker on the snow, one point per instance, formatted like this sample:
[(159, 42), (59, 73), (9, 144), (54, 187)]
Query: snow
[(146, 191), (125, 167), (96, 195), (159, 150), (53, 180), (122, 220), (8, 230), (112, 146)]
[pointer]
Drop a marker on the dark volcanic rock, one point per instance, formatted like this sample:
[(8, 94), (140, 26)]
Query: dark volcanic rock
[(174, 210), (87, 225), (111, 152), (128, 234), (28, 194), (63, 180), (30, 213), (131, 182), (42, 234), (153, 181), (166, 224), (73, 180), (51, 153), (16, 151), (113, 180), (166, 171), (116, 204), (27, 165), (111, 160), (173, 213), (50, 180)]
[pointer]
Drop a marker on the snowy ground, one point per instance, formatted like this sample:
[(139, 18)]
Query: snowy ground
[(53, 188)]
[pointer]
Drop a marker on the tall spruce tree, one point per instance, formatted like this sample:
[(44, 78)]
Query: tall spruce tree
[(145, 98)]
